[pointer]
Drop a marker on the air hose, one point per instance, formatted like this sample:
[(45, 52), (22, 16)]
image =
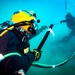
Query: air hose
[(39, 49), (53, 66)]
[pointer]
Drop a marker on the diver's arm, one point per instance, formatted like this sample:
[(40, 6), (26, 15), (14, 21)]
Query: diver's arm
[(15, 63), (63, 21), (38, 32)]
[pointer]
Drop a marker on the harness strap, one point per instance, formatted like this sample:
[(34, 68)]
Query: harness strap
[(6, 30)]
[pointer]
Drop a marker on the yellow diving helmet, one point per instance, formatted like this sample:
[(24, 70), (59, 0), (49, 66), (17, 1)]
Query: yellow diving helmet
[(24, 15)]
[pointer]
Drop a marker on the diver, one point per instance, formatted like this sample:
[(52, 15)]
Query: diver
[(70, 22), (15, 54)]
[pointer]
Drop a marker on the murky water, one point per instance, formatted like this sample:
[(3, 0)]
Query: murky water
[(54, 51)]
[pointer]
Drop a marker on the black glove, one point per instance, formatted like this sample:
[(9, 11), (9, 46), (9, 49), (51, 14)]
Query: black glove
[(37, 54)]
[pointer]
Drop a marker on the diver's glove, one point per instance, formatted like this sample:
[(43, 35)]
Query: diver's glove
[(37, 54)]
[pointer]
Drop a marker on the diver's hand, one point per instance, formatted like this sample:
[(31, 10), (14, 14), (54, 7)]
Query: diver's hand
[(37, 54), (61, 22), (44, 27)]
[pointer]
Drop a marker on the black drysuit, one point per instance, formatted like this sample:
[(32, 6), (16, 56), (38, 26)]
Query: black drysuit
[(12, 42)]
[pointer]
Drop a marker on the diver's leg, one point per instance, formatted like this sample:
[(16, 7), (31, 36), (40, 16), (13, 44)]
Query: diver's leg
[(67, 38)]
